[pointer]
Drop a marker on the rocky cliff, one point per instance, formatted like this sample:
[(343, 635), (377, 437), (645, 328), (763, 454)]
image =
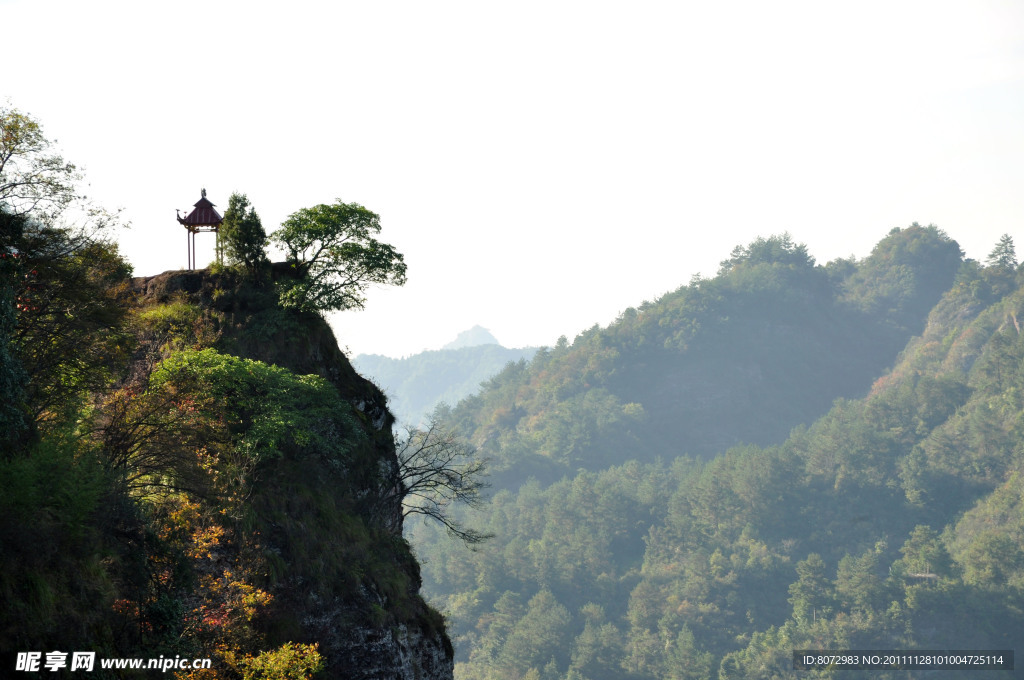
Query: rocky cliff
[(329, 552)]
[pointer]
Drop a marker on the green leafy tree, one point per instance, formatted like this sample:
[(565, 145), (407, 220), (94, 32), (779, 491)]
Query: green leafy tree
[(36, 181), (858, 584), (542, 634), (335, 257), (61, 311), (811, 595), (924, 555), (33, 179), (59, 308), (71, 309), (597, 651), (243, 235), (243, 411), (992, 557), (685, 659), (61, 333), (507, 611)]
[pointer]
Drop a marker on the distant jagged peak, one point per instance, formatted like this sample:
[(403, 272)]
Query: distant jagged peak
[(477, 335)]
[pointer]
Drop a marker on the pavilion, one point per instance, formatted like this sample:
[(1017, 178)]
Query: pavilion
[(204, 217)]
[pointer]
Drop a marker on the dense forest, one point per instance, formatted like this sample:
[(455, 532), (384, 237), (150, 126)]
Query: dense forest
[(743, 357), (785, 456)]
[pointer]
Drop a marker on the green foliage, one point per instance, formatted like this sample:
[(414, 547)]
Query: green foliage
[(905, 275), (51, 538), (1003, 255), (70, 333), (255, 412), (243, 236), (173, 318), (575, 542), (33, 179), (924, 555), (685, 661), (541, 634), (987, 539), (774, 250), (859, 585), (290, 661), (334, 257), (177, 324), (598, 648), (811, 594), (61, 308)]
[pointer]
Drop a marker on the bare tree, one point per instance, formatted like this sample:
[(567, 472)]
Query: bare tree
[(436, 469)]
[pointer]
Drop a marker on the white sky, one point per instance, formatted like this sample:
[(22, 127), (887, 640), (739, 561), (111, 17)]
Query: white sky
[(542, 165)]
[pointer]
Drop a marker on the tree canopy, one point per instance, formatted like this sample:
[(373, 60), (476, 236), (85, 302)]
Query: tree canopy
[(33, 178), (1004, 255), (60, 312), (244, 238), (776, 249), (335, 257)]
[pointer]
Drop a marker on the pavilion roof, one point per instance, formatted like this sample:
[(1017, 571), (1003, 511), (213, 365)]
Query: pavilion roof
[(203, 214)]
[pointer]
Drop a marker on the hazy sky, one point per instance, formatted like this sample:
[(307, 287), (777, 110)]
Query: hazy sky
[(542, 165)]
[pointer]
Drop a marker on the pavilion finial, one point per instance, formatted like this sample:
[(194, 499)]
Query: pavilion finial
[(204, 192)]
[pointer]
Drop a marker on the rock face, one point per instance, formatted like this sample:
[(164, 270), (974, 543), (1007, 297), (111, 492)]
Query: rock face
[(370, 622), (405, 653)]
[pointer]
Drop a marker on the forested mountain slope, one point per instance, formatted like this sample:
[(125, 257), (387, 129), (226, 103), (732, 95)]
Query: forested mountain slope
[(745, 356), (893, 521)]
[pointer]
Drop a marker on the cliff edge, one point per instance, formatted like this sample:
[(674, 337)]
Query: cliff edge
[(311, 529)]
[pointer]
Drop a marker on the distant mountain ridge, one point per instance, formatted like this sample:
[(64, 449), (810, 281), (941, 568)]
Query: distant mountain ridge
[(415, 385), (477, 335)]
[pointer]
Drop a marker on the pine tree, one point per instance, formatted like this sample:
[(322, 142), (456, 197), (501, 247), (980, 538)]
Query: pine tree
[(1003, 255), (244, 238)]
